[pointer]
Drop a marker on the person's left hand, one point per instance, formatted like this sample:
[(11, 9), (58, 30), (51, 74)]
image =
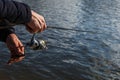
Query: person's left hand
[(16, 48), (36, 24)]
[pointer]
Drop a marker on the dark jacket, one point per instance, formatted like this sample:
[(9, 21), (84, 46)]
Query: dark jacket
[(12, 12)]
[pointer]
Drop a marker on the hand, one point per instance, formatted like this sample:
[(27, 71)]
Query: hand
[(36, 24), (16, 48), (14, 45)]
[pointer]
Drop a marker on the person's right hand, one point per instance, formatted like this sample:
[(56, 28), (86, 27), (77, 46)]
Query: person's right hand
[(36, 24)]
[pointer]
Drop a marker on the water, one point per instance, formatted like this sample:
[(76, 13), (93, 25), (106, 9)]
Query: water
[(83, 38)]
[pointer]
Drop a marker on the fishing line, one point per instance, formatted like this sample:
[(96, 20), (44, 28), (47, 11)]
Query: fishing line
[(60, 28)]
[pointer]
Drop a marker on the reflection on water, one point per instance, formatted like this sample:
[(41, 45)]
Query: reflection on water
[(83, 42)]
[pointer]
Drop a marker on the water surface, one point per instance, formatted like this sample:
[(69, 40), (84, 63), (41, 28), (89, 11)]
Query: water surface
[(83, 38)]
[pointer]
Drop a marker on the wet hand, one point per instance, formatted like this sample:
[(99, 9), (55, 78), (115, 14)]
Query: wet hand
[(36, 24)]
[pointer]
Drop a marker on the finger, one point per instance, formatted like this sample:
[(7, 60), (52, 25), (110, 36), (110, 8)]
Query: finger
[(42, 24), (21, 48)]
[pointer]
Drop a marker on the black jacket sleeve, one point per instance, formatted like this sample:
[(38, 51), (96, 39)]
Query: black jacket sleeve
[(5, 32), (14, 12)]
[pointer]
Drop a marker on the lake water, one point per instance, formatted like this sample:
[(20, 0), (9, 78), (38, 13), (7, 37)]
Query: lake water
[(83, 39)]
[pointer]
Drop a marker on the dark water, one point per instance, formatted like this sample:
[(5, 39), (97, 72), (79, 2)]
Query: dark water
[(83, 38)]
